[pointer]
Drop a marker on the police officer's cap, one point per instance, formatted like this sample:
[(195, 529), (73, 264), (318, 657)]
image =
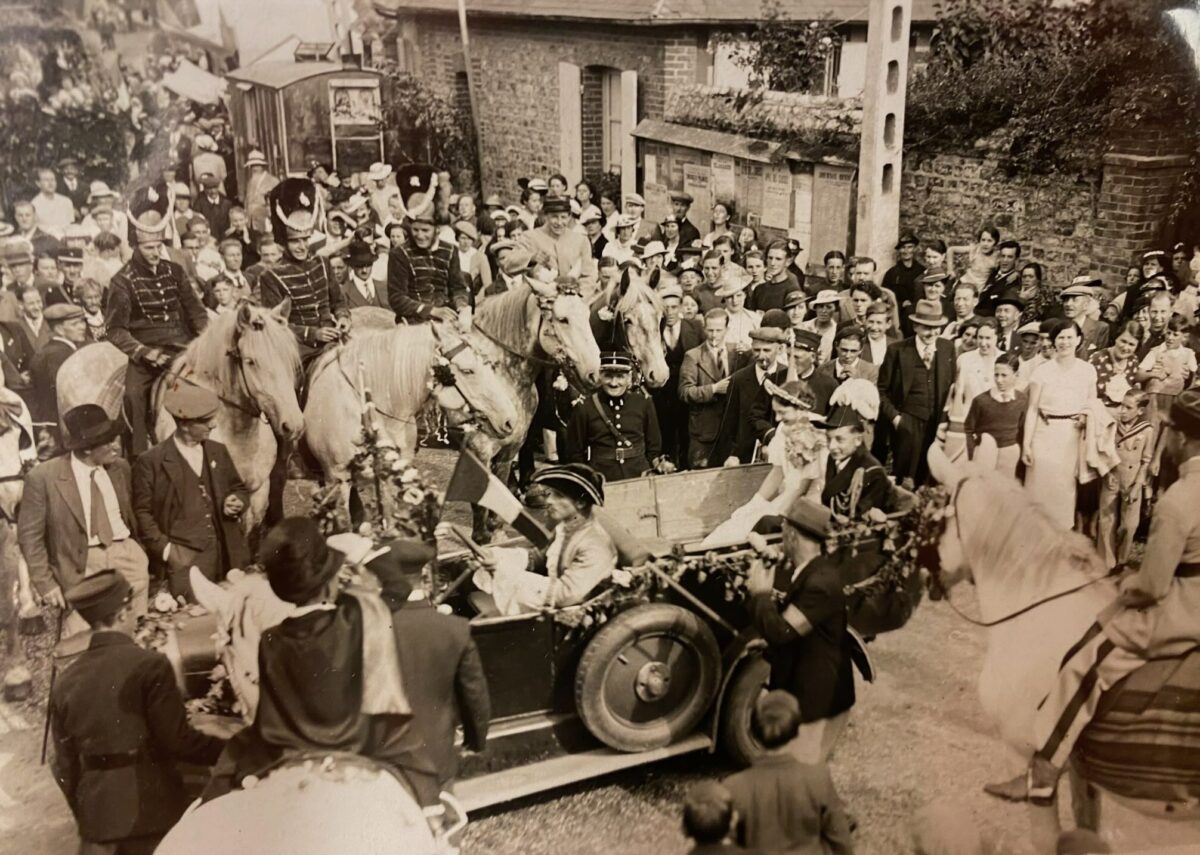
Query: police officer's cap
[(616, 361), (100, 596)]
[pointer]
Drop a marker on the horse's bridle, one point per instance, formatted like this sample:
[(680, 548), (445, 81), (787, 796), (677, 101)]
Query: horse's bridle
[(443, 374), (545, 308), (929, 559)]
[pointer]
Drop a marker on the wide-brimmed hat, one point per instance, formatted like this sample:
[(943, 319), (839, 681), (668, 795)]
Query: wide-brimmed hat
[(99, 190), (794, 298), (149, 214), (928, 313), (462, 227), (99, 596), (1011, 298), (293, 207), (625, 221), (190, 402), (770, 335), (575, 480), (652, 248), (298, 561), (732, 284), (537, 185), (256, 158), (379, 171), (88, 426), (825, 296), (796, 393), (934, 274)]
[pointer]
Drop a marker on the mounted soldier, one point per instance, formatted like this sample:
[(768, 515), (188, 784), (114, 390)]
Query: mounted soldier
[(318, 314), (151, 311), (424, 280)]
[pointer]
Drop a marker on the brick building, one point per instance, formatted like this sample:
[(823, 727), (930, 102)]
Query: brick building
[(561, 85)]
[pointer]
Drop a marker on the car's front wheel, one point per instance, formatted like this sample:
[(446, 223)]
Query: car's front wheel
[(647, 678), (734, 736)]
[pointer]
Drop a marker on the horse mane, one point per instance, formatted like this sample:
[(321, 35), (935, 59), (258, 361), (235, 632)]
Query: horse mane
[(637, 292), (208, 354), (1020, 550), (393, 382), (505, 317)]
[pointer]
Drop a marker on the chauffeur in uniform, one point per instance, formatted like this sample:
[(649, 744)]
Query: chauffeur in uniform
[(614, 430), (188, 495), (151, 311), (119, 724)]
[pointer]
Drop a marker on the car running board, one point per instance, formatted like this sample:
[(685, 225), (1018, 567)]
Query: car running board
[(498, 788)]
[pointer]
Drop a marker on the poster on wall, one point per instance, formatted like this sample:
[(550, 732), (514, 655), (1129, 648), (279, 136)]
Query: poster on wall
[(658, 200), (650, 169), (723, 184), (354, 102), (777, 197), (697, 180), (801, 230), (831, 205)]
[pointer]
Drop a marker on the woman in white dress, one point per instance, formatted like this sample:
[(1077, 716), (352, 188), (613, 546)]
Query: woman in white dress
[(1060, 391), (797, 453), (579, 558)]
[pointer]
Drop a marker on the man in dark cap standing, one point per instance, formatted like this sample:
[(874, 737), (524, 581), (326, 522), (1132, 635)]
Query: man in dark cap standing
[(740, 430), (119, 725), (151, 311), (68, 333), (188, 495), (681, 203), (424, 279), (904, 277), (616, 431)]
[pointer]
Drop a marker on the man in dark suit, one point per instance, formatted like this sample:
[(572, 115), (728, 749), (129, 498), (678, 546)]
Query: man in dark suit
[(703, 386), (360, 289), (848, 363), (77, 515), (904, 278), (740, 430), (118, 725), (188, 495), (679, 335), (68, 332), (73, 185), (19, 356), (442, 671), (1008, 318), (688, 233), (213, 204), (914, 381), (1004, 277)]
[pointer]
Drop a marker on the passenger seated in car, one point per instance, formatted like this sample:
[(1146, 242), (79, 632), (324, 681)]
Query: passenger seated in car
[(578, 559)]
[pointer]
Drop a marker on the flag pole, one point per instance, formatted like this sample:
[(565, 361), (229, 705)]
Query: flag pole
[(471, 92)]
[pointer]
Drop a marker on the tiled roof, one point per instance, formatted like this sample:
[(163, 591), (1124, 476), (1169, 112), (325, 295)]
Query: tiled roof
[(653, 11)]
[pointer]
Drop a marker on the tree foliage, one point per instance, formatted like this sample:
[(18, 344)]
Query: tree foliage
[(426, 127), (783, 55), (1048, 85)]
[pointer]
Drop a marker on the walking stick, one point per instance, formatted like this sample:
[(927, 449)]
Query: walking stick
[(53, 674)]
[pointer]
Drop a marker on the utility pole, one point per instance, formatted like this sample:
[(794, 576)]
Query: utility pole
[(877, 221), (474, 101)]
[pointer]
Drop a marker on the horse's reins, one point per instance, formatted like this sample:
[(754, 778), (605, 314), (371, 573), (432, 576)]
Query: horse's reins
[(935, 575), (512, 351)]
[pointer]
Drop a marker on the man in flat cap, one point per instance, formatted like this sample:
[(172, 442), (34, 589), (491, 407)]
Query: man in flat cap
[(571, 251), (1076, 299), (681, 202), (615, 431), (151, 311), (188, 496), (739, 432), (119, 726), (68, 333)]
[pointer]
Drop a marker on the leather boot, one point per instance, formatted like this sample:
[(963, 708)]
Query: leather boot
[(1036, 785)]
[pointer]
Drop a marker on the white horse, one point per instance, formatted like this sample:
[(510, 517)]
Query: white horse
[(401, 367), (249, 357), (17, 447), (628, 316), (1039, 588)]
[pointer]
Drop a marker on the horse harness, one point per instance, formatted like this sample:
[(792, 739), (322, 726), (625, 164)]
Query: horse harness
[(545, 307), (930, 560)]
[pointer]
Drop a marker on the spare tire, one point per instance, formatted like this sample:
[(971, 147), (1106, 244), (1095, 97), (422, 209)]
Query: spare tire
[(648, 677)]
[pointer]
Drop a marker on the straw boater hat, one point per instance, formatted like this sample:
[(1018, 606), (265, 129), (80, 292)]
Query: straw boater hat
[(149, 214), (256, 158), (418, 191), (293, 207), (379, 171)]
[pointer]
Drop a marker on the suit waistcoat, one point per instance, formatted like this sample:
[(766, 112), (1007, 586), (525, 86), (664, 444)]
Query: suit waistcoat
[(922, 395), (197, 507)]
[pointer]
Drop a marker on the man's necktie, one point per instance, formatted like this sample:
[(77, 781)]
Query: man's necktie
[(101, 525), (927, 356)]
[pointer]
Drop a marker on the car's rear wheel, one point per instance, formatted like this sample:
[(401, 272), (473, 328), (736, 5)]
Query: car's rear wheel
[(647, 678), (735, 737)]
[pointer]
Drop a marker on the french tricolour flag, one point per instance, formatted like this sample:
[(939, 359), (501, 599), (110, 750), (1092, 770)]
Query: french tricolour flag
[(473, 482)]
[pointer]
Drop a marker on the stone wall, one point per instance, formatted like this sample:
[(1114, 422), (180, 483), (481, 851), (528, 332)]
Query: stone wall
[(517, 67), (952, 196)]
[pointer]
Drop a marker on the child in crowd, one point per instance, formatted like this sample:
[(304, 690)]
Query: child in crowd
[(1122, 488), (708, 819), (999, 412), (781, 804), (1167, 370), (981, 257)]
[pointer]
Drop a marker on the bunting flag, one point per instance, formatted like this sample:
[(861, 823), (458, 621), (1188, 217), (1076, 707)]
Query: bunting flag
[(473, 482)]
